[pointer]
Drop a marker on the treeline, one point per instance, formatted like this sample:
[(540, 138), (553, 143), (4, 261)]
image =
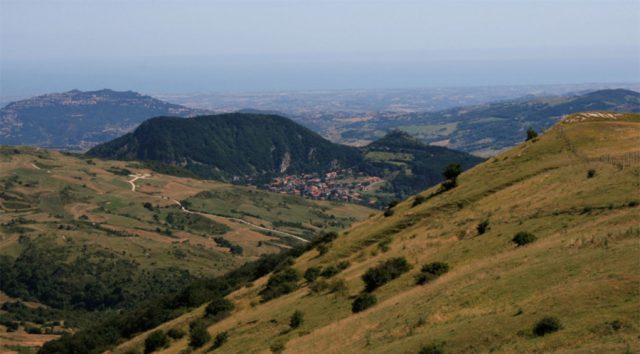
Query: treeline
[(150, 314), (93, 281)]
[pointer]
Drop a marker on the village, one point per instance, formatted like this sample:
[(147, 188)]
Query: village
[(343, 185)]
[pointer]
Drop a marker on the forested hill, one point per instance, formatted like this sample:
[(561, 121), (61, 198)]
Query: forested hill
[(228, 145), (77, 120)]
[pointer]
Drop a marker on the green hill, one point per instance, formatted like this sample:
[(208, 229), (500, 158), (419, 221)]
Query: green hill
[(253, 148), (450, 270)]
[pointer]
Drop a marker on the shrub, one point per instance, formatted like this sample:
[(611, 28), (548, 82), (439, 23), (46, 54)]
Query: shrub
[(483, 227), (451, 173), (431, 271), (219, 308), (419, 199), (392, 204), (312, 273), (219, 340), (322, 249), (385, 272), (389, 212), (297, 319), (531, 134), (280, 283), (277, 348), (175, 333), (199, 335), (522, 238), (546, 325), (338, 286), (318, 286), (591, 173), (330, 271), (432, 349), (155, 341), (363, 302)]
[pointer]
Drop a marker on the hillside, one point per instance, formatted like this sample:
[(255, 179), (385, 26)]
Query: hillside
[(487, 129), (229, 145), (410, 165), (77, 120), (255, 148), (575, 189), (83, 237)]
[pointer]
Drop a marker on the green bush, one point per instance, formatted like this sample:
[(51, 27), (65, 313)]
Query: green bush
[(155, 341), (312, 273), (385, 272), (431, 271), (389, 212), (483, 227), (219, 308), (546, 325), (199, 335), (280, 283), (531, 134), (451, 173), (220, 339), (277, 348), (591, 173), (522, 238), (175, 333), (363, 302), (432, 349), (419, 199), (297, 319)]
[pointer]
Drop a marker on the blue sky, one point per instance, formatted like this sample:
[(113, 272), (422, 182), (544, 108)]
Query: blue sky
[(239, 45)]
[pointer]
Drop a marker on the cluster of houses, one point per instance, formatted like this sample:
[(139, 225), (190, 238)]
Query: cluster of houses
[(341, 185)]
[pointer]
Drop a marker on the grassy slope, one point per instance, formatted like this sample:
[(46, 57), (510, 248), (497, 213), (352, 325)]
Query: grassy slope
[(33, 180), (582, 269)]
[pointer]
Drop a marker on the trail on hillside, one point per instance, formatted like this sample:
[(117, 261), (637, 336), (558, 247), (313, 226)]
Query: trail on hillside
[(143, 176)]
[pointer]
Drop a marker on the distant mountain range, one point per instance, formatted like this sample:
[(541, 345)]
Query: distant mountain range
[(257, 147), (487, 129), (78, 120)]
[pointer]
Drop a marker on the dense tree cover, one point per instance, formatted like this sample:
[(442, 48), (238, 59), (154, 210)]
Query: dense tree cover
[(227, 145), (92, 281), (385, 272), (219, 308), (157, 310)]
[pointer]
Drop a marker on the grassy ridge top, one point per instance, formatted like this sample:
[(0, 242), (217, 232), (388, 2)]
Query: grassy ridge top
[(575, 188)]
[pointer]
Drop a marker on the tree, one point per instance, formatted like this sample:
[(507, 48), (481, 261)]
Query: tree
[(199, 335), (385, 272), (531, 134), (219, 308), (431, 271), (546, 325), (220, 339), (297, 319), (155, 340), (451, 173), (312, 273), (363, 302), (483, 227), (522, 238)]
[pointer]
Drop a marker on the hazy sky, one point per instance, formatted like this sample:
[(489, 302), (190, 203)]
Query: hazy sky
[(237, 45)]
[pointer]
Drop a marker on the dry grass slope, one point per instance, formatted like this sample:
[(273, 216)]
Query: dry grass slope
[(583, 268)]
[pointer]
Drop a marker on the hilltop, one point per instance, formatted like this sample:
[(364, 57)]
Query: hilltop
[(81, 238), (571, 193), (255, 148), (77, 120)]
